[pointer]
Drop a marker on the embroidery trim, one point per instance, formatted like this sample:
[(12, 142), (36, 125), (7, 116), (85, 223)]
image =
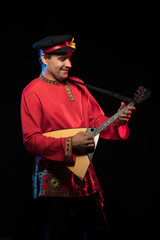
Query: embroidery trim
[(68, 149), (52, 172), (49, 81), (34, 179), (69, 92), (57, 192), (58, 83), (54, 183), (40, 175)]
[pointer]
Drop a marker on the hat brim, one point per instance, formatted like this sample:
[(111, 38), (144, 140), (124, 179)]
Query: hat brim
[(63, 50)]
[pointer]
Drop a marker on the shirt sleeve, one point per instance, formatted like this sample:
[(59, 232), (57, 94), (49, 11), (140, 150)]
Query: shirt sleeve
[(97, 117), (56, 149)]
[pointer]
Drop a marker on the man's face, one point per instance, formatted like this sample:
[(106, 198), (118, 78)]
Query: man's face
[(58, 65)]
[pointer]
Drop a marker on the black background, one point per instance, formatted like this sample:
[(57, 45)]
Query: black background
[(116, 49)]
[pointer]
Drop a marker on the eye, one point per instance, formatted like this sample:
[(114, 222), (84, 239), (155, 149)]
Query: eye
[(62, 59)]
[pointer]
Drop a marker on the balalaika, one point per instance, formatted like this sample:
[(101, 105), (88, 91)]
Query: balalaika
[(83, 161)]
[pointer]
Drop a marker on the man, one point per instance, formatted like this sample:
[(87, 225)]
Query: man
[(53, 102)]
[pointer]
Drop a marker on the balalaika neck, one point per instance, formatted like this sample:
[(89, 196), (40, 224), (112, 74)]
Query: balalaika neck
[(111, 119)]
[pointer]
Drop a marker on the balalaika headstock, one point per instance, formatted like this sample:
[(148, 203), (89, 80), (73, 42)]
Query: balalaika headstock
[(141, 95)]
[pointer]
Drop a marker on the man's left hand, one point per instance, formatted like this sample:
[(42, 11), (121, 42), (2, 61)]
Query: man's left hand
[(125, 116)]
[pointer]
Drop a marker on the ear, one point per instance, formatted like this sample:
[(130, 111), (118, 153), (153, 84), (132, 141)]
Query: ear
[(44, 59)]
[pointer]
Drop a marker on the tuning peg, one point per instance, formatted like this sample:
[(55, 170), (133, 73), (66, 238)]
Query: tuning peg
[(141, 88)]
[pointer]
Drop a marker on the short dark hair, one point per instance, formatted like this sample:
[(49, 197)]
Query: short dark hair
[(47, 55)]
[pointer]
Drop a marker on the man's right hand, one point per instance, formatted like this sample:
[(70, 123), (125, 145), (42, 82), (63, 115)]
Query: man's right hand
[(82, 143)]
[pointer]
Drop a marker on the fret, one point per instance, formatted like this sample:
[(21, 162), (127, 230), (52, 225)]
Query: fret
[(111, 119)]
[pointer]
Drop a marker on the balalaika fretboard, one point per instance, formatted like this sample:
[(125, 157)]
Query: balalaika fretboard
[(111, 119)]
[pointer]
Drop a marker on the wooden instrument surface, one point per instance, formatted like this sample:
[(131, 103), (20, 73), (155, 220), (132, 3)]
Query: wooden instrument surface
[(64, 133), (82, 162)]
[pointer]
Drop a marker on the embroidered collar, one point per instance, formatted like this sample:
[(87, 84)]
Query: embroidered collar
[(49, 81), (58, 83)]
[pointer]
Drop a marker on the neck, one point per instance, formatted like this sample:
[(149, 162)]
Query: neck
[(49, 75)]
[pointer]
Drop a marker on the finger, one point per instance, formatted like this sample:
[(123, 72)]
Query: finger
[(123, 121), (89, 142), (122, 106), (127, 112), (90, 146), (87, 136), (122, 116), (132, 108)]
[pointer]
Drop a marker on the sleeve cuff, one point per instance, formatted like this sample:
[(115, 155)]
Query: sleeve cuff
[(70, 157), (122, 131)]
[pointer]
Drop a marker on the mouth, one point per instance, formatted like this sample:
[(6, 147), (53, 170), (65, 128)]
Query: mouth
[(64, 71)]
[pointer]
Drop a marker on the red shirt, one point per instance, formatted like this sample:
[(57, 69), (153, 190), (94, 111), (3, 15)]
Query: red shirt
[(48, 106)]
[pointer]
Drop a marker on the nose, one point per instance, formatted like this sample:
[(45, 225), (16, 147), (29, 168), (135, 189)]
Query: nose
[(68, 63)]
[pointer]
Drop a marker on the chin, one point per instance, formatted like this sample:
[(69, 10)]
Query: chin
[(64, 76)]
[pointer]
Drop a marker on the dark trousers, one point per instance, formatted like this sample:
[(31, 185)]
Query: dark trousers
[(73, 218)]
